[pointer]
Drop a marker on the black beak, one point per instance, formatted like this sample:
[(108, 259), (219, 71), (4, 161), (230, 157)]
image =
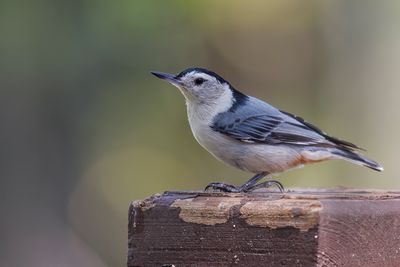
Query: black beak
[(168, 77)]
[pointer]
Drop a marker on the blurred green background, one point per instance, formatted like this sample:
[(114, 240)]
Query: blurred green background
[(85, 129)]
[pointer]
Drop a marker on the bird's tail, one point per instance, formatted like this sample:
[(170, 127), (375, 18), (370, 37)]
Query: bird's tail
[(357, 158)]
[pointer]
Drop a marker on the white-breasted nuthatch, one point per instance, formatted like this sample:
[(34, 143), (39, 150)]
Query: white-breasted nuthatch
[(252, 135)]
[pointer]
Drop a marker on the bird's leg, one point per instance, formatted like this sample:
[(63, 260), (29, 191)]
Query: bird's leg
[(233, 189), (252, 181), (267, 184)]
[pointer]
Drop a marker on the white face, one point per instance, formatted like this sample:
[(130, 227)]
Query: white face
[(201, 87), (206, 93)]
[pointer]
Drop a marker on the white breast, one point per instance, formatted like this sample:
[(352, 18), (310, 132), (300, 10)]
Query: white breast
[(220, 146), (201, 116)]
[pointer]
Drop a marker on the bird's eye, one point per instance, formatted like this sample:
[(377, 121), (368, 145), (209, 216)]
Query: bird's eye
[(199, 81)]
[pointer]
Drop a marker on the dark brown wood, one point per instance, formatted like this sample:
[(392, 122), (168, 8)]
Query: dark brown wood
[(299, 228)]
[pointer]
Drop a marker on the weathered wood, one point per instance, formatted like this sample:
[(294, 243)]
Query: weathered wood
[(299, 228)]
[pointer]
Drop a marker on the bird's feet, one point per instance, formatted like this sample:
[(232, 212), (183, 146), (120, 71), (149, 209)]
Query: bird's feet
[(222, 187), (267, 184)]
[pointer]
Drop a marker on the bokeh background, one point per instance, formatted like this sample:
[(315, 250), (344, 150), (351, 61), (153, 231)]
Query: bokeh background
[(85, 129)]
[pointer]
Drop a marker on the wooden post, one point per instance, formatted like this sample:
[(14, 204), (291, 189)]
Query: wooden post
[(299, 228)]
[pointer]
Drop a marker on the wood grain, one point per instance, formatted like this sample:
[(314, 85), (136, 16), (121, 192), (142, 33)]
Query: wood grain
[(300, 228)]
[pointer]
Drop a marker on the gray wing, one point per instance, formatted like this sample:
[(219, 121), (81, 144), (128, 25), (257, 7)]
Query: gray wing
[(271, 126), (264, 128)]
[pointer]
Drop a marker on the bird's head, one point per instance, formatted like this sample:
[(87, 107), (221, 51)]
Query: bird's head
[(198, 85)]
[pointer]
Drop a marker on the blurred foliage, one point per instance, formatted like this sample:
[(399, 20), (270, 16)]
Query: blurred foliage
[(86, 129)]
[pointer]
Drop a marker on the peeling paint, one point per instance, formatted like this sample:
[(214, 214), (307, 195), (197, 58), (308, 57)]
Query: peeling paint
[(150, 202), (135, 205), (208, 211), (138, 206), (147, 203), (301, 214)]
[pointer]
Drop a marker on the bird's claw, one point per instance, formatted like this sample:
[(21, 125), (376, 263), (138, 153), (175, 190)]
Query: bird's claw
[(222, 187), (266, 184)]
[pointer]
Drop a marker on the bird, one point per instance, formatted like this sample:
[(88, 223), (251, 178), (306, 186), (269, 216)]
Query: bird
[(252, 135)]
